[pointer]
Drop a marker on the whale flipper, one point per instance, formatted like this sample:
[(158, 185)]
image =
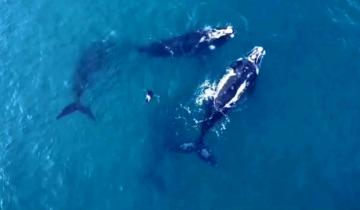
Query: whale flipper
[(76, 106), (203, 152)]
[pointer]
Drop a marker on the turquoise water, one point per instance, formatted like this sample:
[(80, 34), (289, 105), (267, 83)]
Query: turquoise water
[(294, 144)]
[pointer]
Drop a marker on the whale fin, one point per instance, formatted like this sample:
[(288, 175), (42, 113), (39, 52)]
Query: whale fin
[(76, 106), (206, 155), (203, 152)]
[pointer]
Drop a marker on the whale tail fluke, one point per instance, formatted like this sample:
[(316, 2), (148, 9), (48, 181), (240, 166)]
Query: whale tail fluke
[(203, 152), (76, 106)]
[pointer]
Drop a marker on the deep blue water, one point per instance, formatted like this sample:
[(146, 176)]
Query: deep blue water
[(294, 144)]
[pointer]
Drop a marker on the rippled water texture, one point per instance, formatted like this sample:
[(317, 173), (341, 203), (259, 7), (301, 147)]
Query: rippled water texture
[(293, 144)]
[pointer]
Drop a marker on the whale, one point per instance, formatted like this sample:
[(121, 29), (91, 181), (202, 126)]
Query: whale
[(93, 60), (200, 42), (239, 79)]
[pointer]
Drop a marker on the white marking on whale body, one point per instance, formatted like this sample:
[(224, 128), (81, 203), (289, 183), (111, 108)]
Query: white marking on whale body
[(237, 96), (229, 30), (218, 33), (212, 47), (223, 80)]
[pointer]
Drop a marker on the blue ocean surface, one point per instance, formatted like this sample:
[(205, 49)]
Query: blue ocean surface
[(293, 144)]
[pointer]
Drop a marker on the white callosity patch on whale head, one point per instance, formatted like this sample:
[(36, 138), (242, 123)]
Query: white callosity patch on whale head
[(229, 30), (217, 33), (255, 56), (256, 53), (213, 34)]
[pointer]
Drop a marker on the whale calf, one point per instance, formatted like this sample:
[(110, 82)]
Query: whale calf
[(198, 42)]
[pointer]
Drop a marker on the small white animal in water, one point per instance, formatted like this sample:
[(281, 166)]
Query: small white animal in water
[(149, 96)]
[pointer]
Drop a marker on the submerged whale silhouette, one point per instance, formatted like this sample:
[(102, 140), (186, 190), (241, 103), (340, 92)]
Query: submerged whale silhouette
[(92, 60)]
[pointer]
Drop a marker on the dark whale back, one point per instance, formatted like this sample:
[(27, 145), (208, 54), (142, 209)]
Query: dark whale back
[(220, 41), (244, 77), (92, 60), (177, 46), (188, 44)]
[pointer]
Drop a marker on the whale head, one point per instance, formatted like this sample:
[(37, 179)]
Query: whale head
[(256, 55), (220, 33)]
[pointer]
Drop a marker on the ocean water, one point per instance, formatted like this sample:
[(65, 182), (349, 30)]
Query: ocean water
[(293, 144)]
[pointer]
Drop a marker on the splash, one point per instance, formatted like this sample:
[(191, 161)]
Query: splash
[(205, 92), (220, 129), (183, 113), (186, 108), (207, 27)]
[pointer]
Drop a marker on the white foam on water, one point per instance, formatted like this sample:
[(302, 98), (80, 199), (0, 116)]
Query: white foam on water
[(341, 16), (219, 129), (212, 47), (206, 28), (186, 108), (205, 92), (184, 112)]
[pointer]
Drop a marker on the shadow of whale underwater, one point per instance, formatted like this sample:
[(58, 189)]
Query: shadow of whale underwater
[(94, 59)]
